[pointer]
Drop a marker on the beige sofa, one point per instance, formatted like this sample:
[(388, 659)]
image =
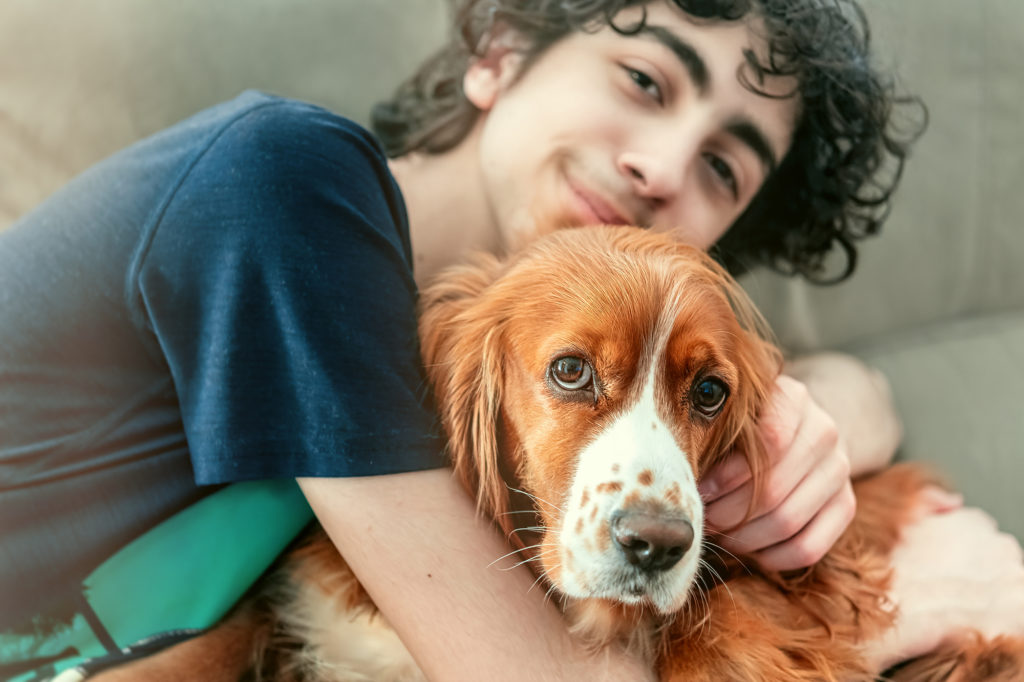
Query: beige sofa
[(938, 302)]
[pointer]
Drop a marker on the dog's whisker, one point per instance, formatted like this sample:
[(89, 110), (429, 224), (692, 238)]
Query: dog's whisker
[(698, 615), (538, 528), (534, 497), (515, 531), (706, 615), (699, 603), (540, 577), (536, 557), (513, 552), (519, 563), (703, 563), (724, 535), (715, 548), (723, 581), (547, 595), (717, 576)]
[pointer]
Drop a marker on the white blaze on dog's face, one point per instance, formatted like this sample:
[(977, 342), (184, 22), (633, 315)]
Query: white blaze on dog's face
[(626, 375)]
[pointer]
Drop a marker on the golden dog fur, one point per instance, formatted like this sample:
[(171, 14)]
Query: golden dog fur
[(653, 318)]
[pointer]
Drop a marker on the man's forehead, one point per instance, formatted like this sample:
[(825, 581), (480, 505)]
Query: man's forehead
[(746, 38), (702, 46)]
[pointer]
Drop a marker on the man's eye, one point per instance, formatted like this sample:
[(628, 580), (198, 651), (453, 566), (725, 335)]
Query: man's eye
[(646, 84), (723, 172)]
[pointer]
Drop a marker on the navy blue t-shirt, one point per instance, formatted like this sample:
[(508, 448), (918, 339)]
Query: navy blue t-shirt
[(230, 299)]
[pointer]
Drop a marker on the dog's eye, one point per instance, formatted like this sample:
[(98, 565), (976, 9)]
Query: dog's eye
[(572, 373), (708, 396)]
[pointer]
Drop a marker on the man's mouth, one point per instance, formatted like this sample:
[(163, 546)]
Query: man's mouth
[(594, 209)]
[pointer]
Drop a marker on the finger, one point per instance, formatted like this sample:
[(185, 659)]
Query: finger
[(810, 447), (935, 500), (814, 439), (729, 511), (1010, 554), (815, 540), (819, 488), (966, 522), (724, 477), (973, 529), (787, 406)]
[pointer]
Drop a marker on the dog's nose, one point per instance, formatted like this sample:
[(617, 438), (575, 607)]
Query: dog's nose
[(650, 541)]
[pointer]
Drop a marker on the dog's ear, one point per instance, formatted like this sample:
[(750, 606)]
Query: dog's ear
[(461, 337), (759, 363)]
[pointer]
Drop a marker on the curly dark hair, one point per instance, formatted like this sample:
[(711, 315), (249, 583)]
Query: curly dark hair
[(834, 185)]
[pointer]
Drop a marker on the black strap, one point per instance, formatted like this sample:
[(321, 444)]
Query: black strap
[(98, 629)]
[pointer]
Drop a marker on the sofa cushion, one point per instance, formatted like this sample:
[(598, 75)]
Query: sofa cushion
[(954, 243), (960, 390), (84, 79)]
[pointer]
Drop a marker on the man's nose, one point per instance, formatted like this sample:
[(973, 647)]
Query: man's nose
[(655, 177)]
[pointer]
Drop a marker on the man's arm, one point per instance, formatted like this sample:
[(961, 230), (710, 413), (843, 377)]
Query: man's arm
[(859, 400), (417, 546)]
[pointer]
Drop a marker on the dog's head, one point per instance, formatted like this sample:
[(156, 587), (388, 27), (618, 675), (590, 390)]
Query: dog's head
[(601, 372)]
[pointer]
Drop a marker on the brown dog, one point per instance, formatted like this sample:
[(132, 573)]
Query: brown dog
[(585, 385)]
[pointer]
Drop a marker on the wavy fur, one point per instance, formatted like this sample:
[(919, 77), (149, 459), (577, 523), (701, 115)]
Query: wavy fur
[(650, 315)]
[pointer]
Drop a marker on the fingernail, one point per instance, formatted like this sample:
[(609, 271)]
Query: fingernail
[(954, 499), (945, 499)]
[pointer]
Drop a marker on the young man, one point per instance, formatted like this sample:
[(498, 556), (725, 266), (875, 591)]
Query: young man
[(234, 299)]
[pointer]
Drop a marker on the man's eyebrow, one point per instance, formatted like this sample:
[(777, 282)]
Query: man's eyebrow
[(749, 134), (744, 130), (690, 59)]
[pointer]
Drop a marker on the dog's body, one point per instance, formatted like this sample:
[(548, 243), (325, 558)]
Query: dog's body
[(585, 386)]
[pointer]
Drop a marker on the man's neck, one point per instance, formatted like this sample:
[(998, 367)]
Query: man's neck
[(449, 216)]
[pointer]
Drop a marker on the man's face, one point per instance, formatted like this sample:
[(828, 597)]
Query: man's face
[(652, 129)]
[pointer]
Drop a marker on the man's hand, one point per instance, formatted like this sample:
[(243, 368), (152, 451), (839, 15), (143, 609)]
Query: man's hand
[(807, 500), (939, 593)]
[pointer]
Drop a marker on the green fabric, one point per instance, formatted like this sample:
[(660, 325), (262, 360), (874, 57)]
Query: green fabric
[(184, 574), (78, 636)]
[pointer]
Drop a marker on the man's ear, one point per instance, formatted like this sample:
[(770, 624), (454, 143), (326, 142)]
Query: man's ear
[(492, 72)]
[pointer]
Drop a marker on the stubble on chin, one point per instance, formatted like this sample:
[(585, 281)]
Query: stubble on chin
[(545, 213)]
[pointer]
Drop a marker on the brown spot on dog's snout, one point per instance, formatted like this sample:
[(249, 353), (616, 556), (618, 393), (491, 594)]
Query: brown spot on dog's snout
[(579, 526), (645, 477), (674, 496), (609, 487), (615, 468), (604, 537), (585, 498), (632, 500)]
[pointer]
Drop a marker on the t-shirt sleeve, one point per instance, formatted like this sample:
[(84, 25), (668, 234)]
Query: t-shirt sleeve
[(277, 282)]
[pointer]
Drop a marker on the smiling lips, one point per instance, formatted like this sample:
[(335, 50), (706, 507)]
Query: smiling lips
[(594, 210)]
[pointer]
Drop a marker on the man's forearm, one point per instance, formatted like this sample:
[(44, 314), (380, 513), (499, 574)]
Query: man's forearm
[(419, 550)]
